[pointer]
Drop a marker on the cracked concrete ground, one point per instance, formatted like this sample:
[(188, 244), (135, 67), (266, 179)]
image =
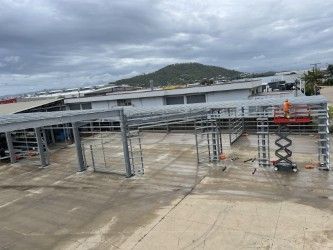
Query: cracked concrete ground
[(175, 205)]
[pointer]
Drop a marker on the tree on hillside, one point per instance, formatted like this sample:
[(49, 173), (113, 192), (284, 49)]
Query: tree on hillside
[(182, 73), (206, 81), (330, 69), (313, 78)]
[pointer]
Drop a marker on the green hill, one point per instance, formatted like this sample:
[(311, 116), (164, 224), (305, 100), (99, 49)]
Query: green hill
[(181, 73)]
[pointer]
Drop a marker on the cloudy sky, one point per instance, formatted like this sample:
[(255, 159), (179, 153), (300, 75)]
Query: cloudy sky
[(58, 43)]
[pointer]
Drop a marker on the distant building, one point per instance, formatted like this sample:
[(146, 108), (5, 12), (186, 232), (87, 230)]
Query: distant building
[(110, 90), (147, 98), (84, 91)]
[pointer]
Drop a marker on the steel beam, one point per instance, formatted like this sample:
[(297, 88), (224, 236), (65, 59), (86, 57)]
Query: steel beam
[(78, 146), (11, 150)]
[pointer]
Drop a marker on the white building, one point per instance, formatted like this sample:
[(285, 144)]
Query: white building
[(152, 98)]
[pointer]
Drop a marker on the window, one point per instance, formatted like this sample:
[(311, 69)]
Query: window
[(124, 102), (74, 106), (173, 100), (86, 105), (196, 98)]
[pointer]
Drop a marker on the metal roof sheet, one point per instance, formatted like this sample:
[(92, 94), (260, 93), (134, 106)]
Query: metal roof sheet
[(11, 122), (13, 108)]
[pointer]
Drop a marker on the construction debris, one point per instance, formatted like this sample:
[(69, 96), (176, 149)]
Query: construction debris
[(222, 157), (251, 160), (248, 160), (310, 166)]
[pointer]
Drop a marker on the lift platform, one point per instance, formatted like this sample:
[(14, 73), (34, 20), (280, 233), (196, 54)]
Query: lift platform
[(292, 120), (297, 115)]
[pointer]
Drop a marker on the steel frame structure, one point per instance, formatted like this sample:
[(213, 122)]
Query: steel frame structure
[(133, 119), (263, 142), (208, 141)]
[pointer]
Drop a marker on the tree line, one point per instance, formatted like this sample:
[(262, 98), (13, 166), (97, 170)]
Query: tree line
[(315, 78)]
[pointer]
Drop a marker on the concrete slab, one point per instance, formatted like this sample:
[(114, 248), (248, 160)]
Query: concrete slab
[(176, 204)]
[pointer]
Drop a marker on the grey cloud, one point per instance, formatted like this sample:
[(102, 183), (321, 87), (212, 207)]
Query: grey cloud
[(56, 43)]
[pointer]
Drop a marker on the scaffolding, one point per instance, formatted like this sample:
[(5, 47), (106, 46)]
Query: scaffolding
[(236, 129), (263, 142), (208, 141), (135, 152), (324, 140)]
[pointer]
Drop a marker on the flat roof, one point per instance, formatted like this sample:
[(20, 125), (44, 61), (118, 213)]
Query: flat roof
[(159, 93), (13, 108)]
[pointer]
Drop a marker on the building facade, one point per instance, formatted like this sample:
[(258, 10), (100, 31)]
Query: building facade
[(153, 98)]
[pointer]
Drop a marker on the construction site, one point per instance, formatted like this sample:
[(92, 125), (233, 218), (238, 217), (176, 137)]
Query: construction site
[(221, 175)]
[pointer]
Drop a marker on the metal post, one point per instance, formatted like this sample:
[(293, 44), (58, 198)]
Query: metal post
[(208, 141), (10, 147), (91, 127), (196, 144), (78, 147), (142, 170), (123, 128), (132, 160), (103, 151), (220, 140), (92, 157), (40, 147), (45, 143), (52, 136), (229, 127), (45, 137)]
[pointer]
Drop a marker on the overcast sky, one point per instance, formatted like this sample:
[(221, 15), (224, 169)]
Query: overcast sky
[(53, 44)]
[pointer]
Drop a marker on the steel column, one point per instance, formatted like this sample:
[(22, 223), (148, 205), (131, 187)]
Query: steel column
[(196, 143), (124, 138), (92, 157), (52, 136), (9, 139), (263, 142), (45, 137), (324, 143), (215, 143), (40, 146), (78, 146)]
